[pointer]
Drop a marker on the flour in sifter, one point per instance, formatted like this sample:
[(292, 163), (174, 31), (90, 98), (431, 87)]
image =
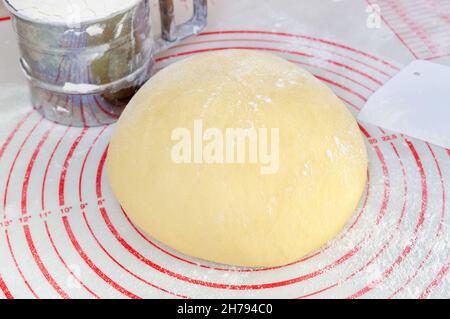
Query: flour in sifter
[(68, 11)]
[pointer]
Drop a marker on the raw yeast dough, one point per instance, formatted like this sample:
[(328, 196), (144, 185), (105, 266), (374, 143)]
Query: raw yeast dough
[(182, 172)]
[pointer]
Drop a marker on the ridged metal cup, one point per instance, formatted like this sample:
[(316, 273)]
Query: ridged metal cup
[(85, 73)]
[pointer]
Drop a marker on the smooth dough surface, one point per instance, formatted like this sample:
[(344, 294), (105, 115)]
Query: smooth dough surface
[(231, 213)]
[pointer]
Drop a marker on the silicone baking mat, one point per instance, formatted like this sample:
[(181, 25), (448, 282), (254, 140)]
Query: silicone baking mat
[(63, 235), (422, 26)]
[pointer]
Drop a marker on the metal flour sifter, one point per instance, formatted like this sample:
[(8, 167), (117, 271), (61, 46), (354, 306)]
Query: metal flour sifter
[(83, 72)]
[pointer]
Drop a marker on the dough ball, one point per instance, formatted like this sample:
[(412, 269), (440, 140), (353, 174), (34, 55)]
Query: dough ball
[(172, 167)]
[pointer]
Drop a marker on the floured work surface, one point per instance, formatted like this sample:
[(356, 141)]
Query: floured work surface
[(64, 235)]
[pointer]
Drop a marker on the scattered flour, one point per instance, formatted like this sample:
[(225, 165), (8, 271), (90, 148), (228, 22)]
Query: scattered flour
[(330, 154), (94, 30), (280, 83), (307, 170), (264, 98), (254, 105), (79, 87)]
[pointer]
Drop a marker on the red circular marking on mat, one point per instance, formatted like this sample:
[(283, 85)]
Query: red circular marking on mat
[(439, 232), (387, 185), (5, 198), (317, 292), (412, 243), (49, 235), (421, 218), (69, 230), (40, 263), (5, 19), (335, 73), (13, 133), (26, 228), (44, 179), (123, 267), (232, 48), (283, 42), (298, 53), (305, 37), (5, 145), (385, 244), (402, 165), (11, 251), (62, 178), (30, 166), (301, 44), (182, 45), (80, 195), (348, 102), (80, 179), (28, 234), (360, 96), (435, 283), (52, 242), (61, 199), (16, 264), (345, 88), (91, 264), (5, 289), (349, 90)]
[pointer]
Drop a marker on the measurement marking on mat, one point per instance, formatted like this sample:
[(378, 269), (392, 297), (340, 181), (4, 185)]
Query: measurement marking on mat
[(46, 214), (5, 223), (66, 210), (386, 138), (25, 219), (101, 202)]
